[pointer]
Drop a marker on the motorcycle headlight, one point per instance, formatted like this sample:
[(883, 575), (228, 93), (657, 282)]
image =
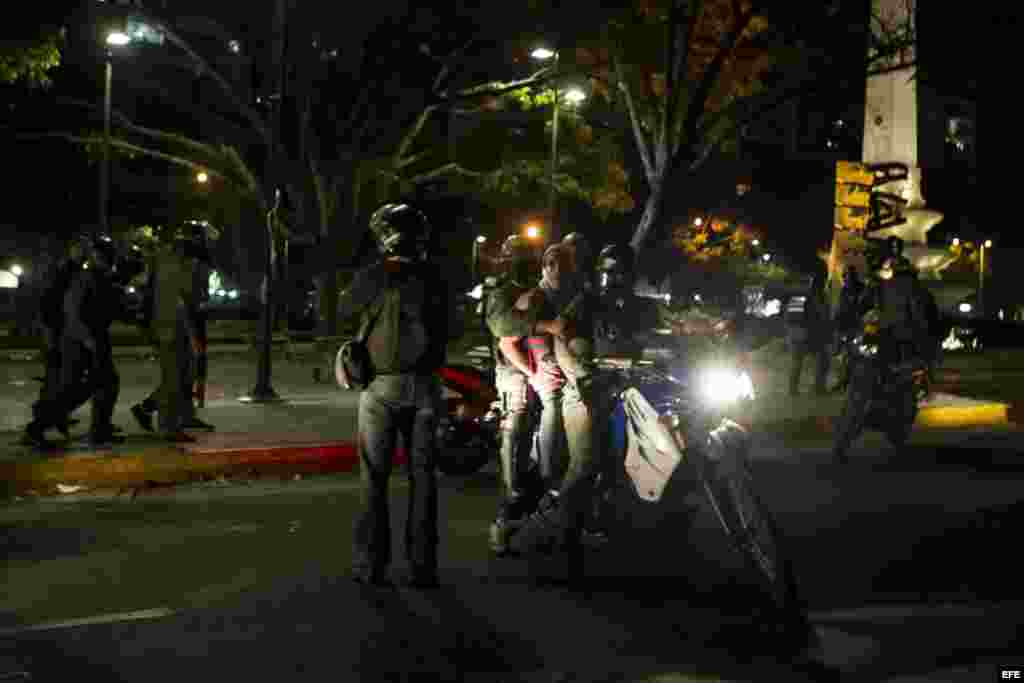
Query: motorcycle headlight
[(865, 348), (720, 385)]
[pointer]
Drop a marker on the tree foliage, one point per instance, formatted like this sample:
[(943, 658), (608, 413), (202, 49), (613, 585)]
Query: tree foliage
[(30, 59)]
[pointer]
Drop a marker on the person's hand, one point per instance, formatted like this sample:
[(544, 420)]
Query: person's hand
[(559, 327)]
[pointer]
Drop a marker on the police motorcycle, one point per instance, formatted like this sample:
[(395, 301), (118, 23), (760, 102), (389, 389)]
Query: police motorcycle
[(887, 384), (673, 422)]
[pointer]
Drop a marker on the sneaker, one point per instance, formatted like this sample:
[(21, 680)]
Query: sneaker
[(35, 437), (197, 424), (104, 437), (499, 534), (423, 580), (177, 437), (374, 579), (144, 419)]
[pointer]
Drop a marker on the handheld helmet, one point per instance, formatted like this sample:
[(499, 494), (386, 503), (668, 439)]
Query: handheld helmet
[(582, 252), (556, 264), (516, 257), (401, 230), (616, 268)]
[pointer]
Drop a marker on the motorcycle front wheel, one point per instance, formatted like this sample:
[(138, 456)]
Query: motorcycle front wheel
[(755, 535)]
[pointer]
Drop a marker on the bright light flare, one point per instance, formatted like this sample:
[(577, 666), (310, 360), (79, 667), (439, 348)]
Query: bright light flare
[(202, 177), (480, 239), (532, 232), (118, 39), (719, 385), (17, 270), (543, 53), (574, 96)]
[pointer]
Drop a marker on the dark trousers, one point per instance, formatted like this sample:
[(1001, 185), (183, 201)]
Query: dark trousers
[(821, 353), (408, 405), (173, 398), (85, 374)]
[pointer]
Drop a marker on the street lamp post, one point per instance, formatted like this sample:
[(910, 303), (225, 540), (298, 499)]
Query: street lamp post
[(987, 244), (480, 240), (544, 54), (114, 39)]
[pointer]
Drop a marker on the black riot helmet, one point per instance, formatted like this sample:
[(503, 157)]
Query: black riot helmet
[(401, 230), (517, 259), (582, 255), (104, 252), (616, 268)]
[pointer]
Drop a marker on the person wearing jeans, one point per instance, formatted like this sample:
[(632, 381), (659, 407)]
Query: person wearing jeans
[(409, 405)]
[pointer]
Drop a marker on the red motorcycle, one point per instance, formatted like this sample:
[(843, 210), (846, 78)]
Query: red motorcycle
[(468, 431)]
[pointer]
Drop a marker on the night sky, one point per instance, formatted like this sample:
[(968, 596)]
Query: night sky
[(55, 184)]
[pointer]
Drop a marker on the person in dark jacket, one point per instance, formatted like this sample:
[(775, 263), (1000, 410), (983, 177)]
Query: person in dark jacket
[(817, 328), (91, 304), (848, 317), (405, 309)]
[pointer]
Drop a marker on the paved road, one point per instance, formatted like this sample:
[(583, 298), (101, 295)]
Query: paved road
[(908, 562)]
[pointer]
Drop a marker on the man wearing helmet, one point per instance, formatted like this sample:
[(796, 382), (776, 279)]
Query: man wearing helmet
[(404, 306), (91, 304), (175, 325), (610, 320), (905, 322), (511, 319)]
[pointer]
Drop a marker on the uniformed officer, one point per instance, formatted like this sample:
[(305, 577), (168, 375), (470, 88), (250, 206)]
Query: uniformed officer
[(176, 331), (510, 324)]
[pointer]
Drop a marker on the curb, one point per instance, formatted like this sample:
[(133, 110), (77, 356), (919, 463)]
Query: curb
[(169, 465), (979, 414)]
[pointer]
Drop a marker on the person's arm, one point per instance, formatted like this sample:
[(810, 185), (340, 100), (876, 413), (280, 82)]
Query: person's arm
[(514, 352)]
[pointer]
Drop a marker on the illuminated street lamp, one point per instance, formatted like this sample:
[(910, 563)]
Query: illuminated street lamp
[(756, 243), (574, 96), (766, 258), (543, 54), (114, 39), (202, 177), (17, 270), (698, 221), (532, 232), (956, 241)]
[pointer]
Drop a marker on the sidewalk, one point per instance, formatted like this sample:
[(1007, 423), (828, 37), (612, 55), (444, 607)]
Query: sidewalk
[(313, 428)]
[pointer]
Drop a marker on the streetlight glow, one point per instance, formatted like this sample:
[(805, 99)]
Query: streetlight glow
[(202, 177), (480, 239), (17, 270), (698, 221), (988, 245), (575, 96), (532, 231), (756, 243), (117, 39), (766, 258), (956, 241), (543, 53)]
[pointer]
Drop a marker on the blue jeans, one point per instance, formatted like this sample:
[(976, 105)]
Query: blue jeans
[(408, 405)]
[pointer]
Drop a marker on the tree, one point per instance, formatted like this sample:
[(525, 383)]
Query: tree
[(690, 75), (30, 54)]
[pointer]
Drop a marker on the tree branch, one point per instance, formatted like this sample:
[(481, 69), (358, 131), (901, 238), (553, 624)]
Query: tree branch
[(203, 67), (642, 145), (703, 91)]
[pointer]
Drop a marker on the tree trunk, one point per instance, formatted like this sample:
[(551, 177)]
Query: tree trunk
[(652, 212)]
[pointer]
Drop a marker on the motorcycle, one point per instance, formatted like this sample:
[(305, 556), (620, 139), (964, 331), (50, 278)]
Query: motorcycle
[(673, 424), (886, 387), (468, 430)]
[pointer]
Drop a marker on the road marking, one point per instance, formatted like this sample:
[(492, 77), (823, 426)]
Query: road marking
[(138, 615), (950, 609)]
